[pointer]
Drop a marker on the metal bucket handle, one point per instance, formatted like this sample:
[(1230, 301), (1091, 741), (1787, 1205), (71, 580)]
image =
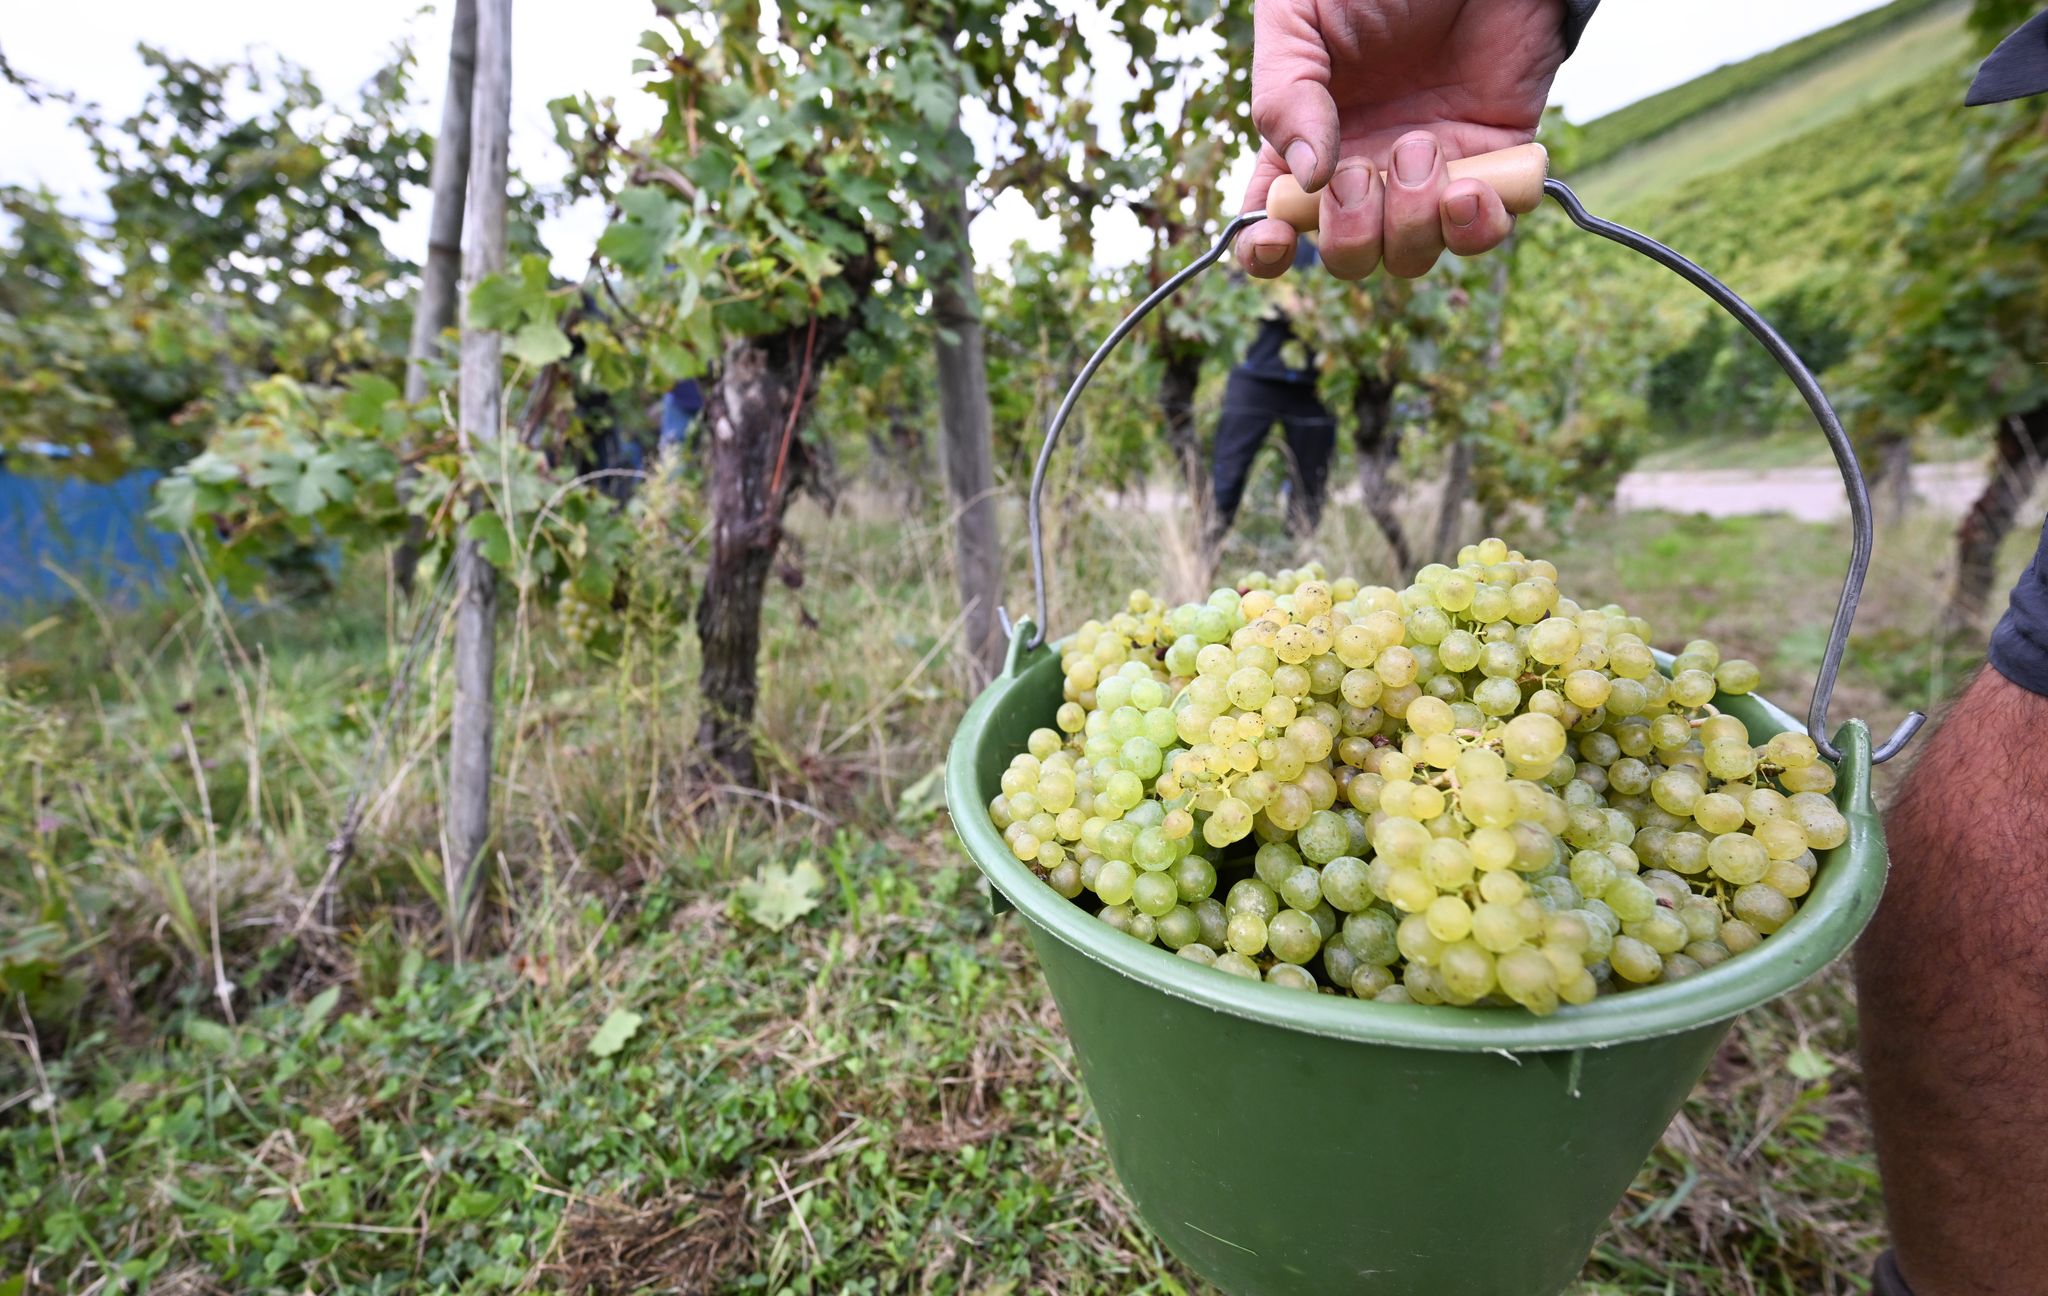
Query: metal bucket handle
[(1802, 378)]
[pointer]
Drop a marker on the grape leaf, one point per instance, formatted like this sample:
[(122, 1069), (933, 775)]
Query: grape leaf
[(1807, 1064), (492, 540), (496, 302), (539, 343), (177, 502), (782, 894), (213, 468), (811, 260), (923, 799), (368, 394), (618, 1028), (650, 223), (304, 486), (930, 94), (505, 301)]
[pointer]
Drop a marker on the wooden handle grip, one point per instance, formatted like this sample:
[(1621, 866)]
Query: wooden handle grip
[(1516, 174)]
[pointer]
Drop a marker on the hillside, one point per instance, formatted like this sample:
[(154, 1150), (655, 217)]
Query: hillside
[(1738, 113), (1646, 119), (1808, 230), (1827, 201)]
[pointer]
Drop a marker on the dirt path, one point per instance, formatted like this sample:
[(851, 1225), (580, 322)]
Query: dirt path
[(1811, 494)]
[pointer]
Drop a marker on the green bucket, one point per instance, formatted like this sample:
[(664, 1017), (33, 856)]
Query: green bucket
[(1286, 1144)]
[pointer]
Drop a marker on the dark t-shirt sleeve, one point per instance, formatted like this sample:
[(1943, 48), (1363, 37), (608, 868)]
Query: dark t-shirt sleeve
[(2019, 646), (1577, 13), (1266, 357)]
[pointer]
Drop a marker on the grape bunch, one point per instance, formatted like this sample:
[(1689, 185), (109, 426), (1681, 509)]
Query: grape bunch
[(581, 618), (1473, 790)]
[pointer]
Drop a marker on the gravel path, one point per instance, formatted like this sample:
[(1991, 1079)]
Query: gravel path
[(1811, 494)]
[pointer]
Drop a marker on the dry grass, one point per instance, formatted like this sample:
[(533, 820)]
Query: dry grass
[(688, 1243)]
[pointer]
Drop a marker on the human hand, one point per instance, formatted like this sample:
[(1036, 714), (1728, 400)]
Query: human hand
[(1345, 89)]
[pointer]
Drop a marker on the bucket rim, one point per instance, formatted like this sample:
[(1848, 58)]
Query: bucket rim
[(1844, 895)]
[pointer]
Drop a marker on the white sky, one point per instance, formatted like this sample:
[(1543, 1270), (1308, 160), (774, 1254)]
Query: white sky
[(1633, 48)]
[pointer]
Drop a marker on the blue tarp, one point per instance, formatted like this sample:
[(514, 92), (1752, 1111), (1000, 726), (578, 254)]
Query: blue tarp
[(96, 532)]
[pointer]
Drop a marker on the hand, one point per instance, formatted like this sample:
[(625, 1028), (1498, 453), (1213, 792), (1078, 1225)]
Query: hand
[(1345, 89)]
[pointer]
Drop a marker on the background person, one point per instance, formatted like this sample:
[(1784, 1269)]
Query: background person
[(1274, 383)]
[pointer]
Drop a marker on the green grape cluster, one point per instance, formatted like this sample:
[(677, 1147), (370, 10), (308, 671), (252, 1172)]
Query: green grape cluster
[(581, 618), (1473, 790)]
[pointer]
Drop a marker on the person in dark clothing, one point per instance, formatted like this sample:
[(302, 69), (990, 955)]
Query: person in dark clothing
[(681, 407), (1952, 974), (1265, 388)]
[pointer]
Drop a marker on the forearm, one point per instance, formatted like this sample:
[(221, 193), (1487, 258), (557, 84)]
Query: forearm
[(1952, 981)]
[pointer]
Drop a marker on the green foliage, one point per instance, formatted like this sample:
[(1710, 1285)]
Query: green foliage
[(272, 211), (781, 170), (1721, 380), (526, 306), (628, 580), (793, 172), (1566, 417), (1966, 320), (1643, 121), (1811, 231), (303, 466), (300, 464), (1042, 324), (241, 244), (875, 406), (1827, 199), (1993, 20)]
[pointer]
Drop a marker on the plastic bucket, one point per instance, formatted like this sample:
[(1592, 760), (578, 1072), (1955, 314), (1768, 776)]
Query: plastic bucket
[(1286, 1143)]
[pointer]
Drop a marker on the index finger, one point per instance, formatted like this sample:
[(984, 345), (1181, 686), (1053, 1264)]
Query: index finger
[(1265, 249)]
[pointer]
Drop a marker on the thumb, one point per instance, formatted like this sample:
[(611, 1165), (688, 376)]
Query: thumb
[(1291, 103)]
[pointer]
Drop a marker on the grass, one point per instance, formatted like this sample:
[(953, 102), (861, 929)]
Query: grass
[(1842, 88), (1795, 445), (1786, 447), (1637, 127), (1827, 197), (639, 1086)]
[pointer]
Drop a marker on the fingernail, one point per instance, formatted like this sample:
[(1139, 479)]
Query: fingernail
[(1268, 253), (1301, 160), (1414, 161), (1462, 209), (1352, 185)]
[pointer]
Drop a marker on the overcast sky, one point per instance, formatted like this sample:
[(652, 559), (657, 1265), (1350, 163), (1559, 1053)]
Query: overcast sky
[(1633, 48)]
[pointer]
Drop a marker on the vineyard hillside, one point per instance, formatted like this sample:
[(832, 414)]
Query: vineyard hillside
[(1798, 196), (1738, 112)]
